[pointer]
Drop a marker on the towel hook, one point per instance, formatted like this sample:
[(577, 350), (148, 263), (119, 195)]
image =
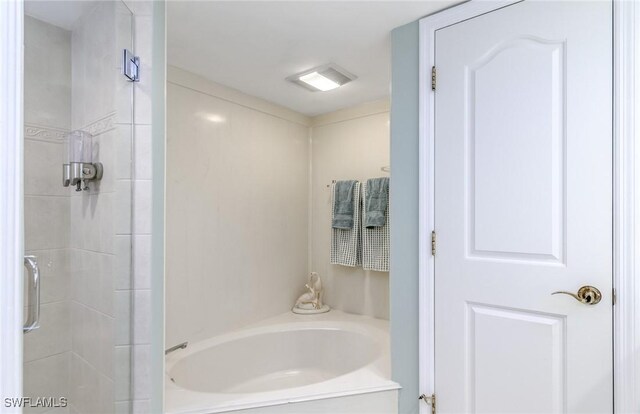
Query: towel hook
[(332, 182)]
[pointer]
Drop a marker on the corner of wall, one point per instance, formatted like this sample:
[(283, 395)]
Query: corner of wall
[(350, 143), (404, 215), (310, 200)]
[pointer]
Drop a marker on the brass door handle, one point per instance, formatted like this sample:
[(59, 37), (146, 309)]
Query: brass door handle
[(588, 295)]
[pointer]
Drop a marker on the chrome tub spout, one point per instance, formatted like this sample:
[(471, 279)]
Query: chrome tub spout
[(176, 347)]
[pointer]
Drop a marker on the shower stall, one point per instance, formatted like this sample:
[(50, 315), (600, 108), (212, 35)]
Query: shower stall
[(78, 185)]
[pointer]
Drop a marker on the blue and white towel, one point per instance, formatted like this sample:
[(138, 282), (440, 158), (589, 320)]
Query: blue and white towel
[(346, 243), (375, 242), (343, 204), (376, 202)]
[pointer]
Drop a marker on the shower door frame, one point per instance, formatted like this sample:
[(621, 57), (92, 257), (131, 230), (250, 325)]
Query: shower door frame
[(11, 199)]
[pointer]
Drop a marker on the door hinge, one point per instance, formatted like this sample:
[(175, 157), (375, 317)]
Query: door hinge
[(431, 400), (130, 66), (433, 78), (433, 243), (614, 298)]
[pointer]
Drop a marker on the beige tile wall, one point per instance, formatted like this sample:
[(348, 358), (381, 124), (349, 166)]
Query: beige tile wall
[(99, 105)]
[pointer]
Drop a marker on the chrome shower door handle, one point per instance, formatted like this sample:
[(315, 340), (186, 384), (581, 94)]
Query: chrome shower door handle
[(33, 287)]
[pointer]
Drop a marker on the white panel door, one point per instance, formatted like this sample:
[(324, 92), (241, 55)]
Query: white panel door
[(523, 194)]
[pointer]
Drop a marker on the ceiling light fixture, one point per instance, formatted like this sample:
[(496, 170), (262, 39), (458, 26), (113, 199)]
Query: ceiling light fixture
[(319, 82), (323, 78)]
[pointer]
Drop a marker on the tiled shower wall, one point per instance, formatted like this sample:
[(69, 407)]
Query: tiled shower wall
[(123, 246), (100, 217)]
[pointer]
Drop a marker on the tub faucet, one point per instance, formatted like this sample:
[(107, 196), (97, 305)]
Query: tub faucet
[(176, 347)]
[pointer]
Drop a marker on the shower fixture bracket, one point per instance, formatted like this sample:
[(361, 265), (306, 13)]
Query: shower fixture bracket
[(130, 66), (78, 173)]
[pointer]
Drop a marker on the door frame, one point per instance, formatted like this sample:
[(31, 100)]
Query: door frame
[(626, 176), (11, 200)]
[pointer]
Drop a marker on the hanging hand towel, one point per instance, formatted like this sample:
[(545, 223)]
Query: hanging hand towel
[(375, 240), (343, 195), (346, 243), (376, 201)]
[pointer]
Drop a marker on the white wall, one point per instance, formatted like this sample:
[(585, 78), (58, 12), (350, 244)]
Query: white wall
[(237, 206), (348, 144), (248, 208)]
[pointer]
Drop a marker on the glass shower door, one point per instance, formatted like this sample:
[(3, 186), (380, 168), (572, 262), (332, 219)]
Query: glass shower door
[(77, 206)]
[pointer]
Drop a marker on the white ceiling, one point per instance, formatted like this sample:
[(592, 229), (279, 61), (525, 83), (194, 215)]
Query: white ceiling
[(253, 46), (61, 13)]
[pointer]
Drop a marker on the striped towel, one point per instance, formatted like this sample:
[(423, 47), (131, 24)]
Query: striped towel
[(346, 243), (375, 243)]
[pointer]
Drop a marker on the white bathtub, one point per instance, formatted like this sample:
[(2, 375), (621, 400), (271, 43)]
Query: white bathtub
[(332, 362)]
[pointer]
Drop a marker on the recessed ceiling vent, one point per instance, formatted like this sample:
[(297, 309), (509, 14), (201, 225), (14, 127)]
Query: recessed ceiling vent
[(323, 78)]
